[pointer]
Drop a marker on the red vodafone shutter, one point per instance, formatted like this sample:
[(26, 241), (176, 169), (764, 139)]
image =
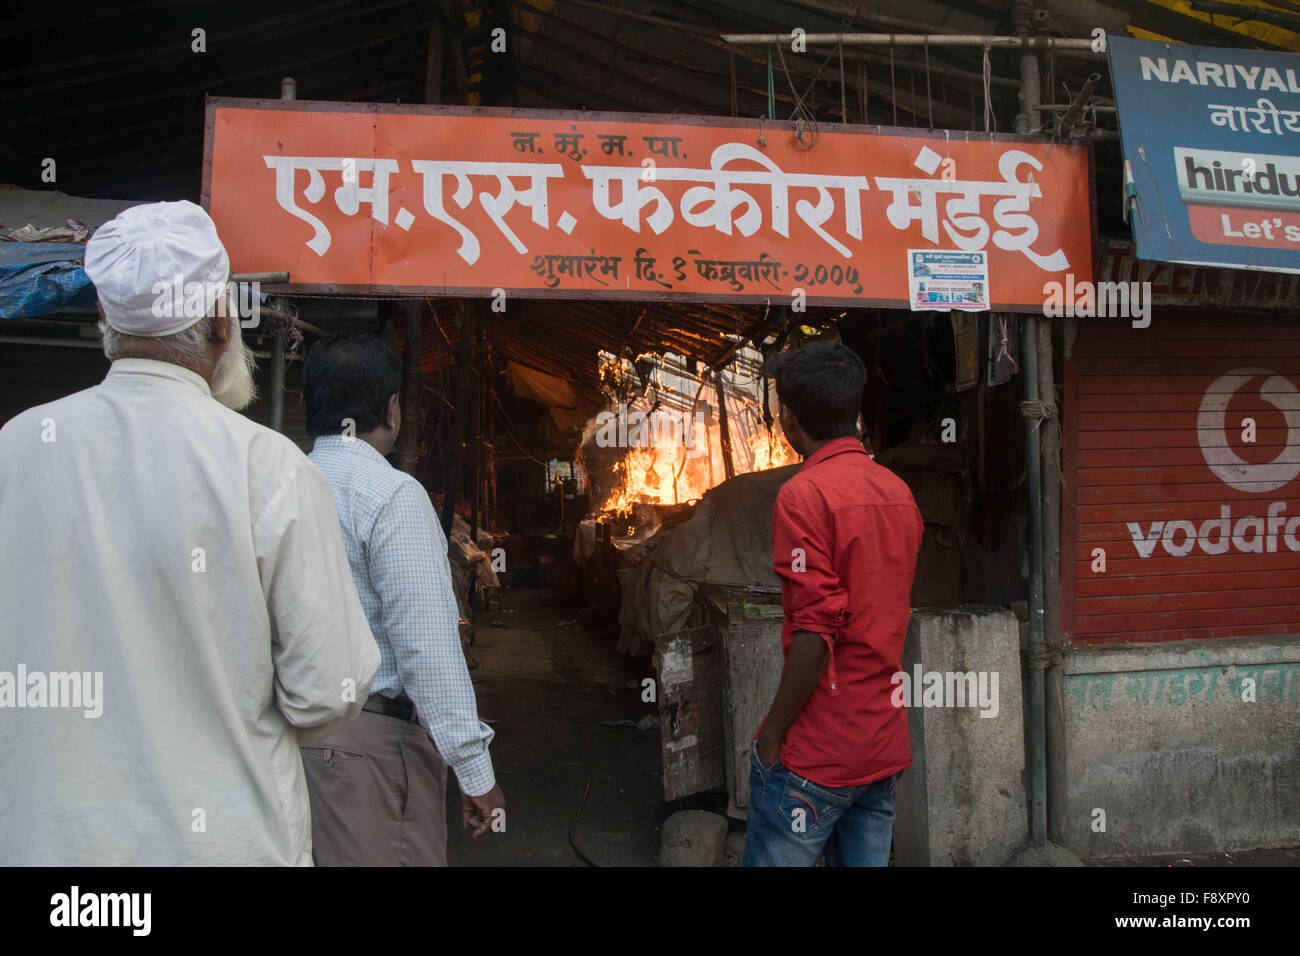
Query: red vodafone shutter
[(1200, 526)]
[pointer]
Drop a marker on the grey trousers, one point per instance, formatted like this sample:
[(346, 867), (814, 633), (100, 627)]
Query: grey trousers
[(378, 796)]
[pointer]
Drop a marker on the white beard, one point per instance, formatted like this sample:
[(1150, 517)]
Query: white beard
[(232, 379)]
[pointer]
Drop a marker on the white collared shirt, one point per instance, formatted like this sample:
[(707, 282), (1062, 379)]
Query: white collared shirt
[(399, 561), (193, 559)]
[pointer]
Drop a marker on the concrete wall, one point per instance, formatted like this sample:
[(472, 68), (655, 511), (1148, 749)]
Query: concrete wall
[(1160, 739), (962, 803)]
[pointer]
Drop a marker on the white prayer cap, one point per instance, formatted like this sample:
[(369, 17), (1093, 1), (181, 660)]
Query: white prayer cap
[(133, 257)]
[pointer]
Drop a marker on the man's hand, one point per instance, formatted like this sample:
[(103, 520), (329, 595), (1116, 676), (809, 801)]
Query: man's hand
[(804, 663), (768, 748), (478, 812)]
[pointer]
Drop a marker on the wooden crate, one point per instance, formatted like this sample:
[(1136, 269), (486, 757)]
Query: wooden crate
[(751, 671), (689, 665), (716, 683)]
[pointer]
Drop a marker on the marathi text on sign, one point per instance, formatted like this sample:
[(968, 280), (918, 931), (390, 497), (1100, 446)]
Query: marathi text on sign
[(435, 200)]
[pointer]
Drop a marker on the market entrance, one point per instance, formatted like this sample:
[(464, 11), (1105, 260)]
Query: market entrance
[(584, 303)]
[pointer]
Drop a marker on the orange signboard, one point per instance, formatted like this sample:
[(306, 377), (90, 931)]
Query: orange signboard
[(420, 200)]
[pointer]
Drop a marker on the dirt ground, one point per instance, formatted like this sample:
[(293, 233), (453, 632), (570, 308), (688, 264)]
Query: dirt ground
[(545, 685)]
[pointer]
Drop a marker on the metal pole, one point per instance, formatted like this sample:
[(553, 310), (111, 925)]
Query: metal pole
[(288, 91), (1029, 118), (267, 277), (408, 439), (460, 418), (1055, 44), (724, 431), (433, 62), (1053, 684), (1034, 488), (1030, 93)]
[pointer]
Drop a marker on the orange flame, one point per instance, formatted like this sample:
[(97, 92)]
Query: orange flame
[(670, 473), (770, 450)]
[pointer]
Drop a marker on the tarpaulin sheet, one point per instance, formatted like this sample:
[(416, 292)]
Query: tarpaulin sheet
[(568, 409), (42, 278), (46, 208), (727, 542), (540, 387)]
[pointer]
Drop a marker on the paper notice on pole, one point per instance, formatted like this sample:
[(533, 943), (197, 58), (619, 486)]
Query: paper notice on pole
[(941, 281)]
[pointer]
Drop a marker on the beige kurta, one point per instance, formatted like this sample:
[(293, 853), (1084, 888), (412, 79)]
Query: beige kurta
[(194, 559)]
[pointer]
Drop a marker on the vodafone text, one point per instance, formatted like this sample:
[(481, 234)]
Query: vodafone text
[(1249, 534)]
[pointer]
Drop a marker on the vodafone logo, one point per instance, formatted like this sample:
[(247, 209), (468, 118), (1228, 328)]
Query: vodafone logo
[(1271, 533), (1211, 432)]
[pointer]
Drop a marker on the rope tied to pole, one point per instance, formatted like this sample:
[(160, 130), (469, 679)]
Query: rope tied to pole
[(1038, 410), (1005, 335), (805, 123), (1040, 655)]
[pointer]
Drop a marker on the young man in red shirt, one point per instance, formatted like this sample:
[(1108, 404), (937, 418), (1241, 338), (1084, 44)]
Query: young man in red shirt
[(845, 538)]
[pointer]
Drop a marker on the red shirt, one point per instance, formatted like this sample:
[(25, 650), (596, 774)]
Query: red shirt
[(845, 537)]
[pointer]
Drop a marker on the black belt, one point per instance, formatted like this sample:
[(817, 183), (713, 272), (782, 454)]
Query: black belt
[(399, 707)]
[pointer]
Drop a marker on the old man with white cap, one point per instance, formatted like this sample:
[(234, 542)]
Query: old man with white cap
[(177, 614)]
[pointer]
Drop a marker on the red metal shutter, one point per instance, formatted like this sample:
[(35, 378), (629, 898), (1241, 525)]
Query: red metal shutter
[(1151, 464)]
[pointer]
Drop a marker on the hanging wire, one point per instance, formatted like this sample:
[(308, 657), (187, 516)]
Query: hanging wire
[(844, 109), (893, 89), (911, 87), (864, 92), (1051, 79), (735, 96), (929, 100), (990, 117), (805, 122), (771, 87), (506, 423)]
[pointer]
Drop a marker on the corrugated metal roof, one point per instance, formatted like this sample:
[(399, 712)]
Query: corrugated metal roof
[(114, 95)]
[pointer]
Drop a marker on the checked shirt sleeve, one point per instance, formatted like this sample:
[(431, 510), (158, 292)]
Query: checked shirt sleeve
[(408, 567)]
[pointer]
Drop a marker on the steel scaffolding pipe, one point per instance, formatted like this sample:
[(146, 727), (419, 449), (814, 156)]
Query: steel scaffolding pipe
[(932, 40)]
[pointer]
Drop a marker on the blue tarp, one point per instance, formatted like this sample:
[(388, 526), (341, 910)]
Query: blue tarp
[(42, 278)]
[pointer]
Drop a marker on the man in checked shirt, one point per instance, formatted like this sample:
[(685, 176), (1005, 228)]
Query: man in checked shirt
[(378, 786)]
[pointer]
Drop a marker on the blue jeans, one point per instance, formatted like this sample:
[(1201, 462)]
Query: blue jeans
[(792, 820)]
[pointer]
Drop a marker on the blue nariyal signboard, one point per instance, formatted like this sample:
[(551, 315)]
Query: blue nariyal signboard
[(1212, 139)]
